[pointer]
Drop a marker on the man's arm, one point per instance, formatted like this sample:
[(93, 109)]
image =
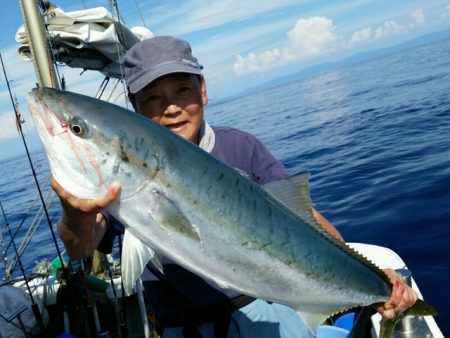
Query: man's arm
[(82, 226), (327, 225), (402, 296)]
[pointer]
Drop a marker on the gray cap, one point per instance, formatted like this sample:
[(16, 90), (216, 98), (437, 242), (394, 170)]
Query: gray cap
[(161, 55)]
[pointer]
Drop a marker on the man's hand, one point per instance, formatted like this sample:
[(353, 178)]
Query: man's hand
[(81, 226), (74, 206), (402, 296)]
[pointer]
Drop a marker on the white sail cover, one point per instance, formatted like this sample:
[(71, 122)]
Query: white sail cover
[(88, 39)]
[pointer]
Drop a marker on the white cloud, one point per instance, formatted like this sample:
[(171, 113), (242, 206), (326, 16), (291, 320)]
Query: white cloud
[(311, 36), (8, 119), (308, 38), (418, 17), (389, 28), (8, 123), (20, 73), (363, 35), (446, 14), (21, 78), (254, 63)]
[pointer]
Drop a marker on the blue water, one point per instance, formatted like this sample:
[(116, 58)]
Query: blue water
[(375, 137), (21, 202)]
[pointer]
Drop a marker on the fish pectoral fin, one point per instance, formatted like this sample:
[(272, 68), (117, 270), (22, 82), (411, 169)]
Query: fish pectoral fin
[(293, 192), (419, 309), (157, 262), (135, 256), (312, 320), (168, 215)]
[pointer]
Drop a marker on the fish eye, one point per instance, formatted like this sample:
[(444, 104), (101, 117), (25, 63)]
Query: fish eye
[(78, 127)]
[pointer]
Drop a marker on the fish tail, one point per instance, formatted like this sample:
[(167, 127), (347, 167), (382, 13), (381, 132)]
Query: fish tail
[(419, 309)]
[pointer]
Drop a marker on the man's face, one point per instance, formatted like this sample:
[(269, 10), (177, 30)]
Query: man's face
[(175, 101)]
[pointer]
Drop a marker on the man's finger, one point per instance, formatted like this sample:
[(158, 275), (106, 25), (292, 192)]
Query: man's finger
[(110, 196), (86, 205)]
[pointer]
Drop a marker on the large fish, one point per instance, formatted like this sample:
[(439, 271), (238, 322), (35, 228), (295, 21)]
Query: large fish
[(180, 202)]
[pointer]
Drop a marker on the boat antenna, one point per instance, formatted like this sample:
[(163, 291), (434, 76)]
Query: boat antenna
[(34, 306), (19, 126)]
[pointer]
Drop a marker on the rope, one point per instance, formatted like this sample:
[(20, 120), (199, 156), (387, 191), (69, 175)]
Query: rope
[(140, 14), (117, 20)]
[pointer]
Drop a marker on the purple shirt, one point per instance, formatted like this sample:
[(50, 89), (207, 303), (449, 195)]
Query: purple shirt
[(245, 152)]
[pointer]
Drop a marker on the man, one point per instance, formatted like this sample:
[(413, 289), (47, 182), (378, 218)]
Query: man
[(166, 85)]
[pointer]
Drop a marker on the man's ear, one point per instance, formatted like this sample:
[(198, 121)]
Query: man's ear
[(203, 90)]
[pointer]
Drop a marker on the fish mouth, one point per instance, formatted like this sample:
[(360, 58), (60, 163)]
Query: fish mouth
[(42, 112)]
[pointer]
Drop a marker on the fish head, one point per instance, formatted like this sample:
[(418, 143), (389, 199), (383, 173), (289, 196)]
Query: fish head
[(89, 143)]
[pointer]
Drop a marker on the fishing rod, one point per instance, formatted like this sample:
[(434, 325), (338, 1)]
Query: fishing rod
[(34, 305), (19, 126)]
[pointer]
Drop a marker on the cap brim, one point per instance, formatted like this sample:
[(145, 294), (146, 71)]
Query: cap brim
[(169, 68)]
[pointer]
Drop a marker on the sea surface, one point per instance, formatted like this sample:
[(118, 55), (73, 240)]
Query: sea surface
[(375, 137)]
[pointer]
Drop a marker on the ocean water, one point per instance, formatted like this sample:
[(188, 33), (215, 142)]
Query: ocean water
[(23, 211), (375, 137)]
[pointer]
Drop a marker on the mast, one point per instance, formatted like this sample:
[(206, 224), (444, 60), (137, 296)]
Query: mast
[(46, 76), (42, 60)]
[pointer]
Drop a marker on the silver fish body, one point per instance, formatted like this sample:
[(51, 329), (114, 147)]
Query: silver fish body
[(180, 202)]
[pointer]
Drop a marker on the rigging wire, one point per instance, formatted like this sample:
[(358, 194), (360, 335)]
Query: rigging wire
[(29, 234), (24, 218), (112, 91), (140, 14), (102, 87), (121, 43), (34, 306)]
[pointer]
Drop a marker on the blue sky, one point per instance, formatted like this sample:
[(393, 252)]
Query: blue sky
[(240, 43)]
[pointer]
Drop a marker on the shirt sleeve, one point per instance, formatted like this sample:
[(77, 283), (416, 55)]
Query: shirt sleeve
[(245, 152), (264, 166)]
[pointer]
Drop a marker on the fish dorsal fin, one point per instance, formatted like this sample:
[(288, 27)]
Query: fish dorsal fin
[(293, 192), (135, 256)]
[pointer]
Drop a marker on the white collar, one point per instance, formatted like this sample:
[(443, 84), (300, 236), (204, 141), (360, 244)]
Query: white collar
[(207, 137)]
